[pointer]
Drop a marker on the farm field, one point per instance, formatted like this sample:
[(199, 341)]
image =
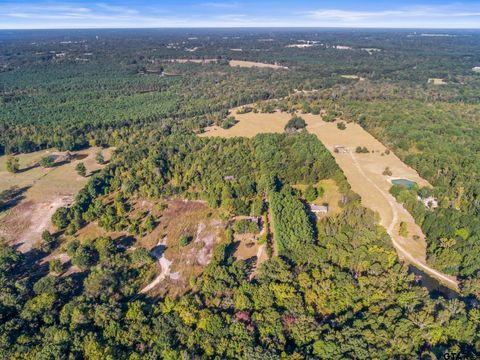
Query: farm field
[(363, 172), (40, 192), (250, 64)]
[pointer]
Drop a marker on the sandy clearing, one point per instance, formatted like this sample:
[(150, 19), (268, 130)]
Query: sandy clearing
[(165, 264), (40, 220), (251, 124), (436, 81), (205, 253), (180, 218), (353, 77), (363, 172), (250, 64), (48, 189), (196, 61)]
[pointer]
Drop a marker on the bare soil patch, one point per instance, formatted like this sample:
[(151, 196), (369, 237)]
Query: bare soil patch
[(436, 81), (250, 64), (353, 77), (196, 61), (47, 190), (179, 264)]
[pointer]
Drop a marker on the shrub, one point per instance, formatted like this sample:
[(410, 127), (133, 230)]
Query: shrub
[(185, 240), (46, 161), (13, 165), (81, 169), (361, 150), (311, 193), (228, 122), (295, 123), (55, 266), (99, 158), (341, 125), (403, 231)]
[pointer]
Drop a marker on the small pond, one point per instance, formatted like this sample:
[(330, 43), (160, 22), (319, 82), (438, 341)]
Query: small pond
[(404, 182)]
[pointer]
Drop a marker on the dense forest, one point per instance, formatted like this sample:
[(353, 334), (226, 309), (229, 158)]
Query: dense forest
[(331, 287)]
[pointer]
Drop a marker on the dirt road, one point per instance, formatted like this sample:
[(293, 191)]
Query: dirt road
[(363, 172)]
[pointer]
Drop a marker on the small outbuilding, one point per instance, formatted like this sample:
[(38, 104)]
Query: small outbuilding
[(340, 149), (319, 209), (429, 202)]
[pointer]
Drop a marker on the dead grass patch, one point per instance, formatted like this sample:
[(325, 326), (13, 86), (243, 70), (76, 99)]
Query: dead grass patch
[(250, 64), (47, 190)]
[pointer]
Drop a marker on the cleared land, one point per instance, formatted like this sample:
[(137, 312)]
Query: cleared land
[(353, 77), (201, 225), (196, 61), (331, 195), (250, 64), (436, 81), (39, 193), (176, 265), (363, 171)]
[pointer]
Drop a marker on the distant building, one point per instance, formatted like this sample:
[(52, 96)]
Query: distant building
[(319, 209), (429, 202)]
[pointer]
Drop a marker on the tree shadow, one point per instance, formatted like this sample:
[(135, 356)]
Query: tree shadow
[(79, 156), (231, 249), (125, 241), (251, 265), (11, 197), (31, 266), (25, 169), (78, 278), (158, 251)]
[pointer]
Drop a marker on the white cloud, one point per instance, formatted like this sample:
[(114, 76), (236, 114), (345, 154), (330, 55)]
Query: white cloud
[(118, 9), (217, 14), (220, 5), (420, 13)]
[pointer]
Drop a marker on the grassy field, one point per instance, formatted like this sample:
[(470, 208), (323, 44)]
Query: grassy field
[(40, 192), (363, 172), (249, 64), (331, 195)]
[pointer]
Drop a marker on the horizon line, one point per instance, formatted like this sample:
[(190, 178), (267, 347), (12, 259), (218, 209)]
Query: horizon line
[(241, 27)]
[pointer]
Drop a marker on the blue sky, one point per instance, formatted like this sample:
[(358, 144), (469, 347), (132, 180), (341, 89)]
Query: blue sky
[(46, 14)]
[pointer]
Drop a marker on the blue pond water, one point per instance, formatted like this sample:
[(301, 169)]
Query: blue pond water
[(404, 182)]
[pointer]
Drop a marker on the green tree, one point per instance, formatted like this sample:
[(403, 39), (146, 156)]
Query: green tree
[(185, 240), (61, 218), (48, 241), (403, 230), (13, 165), (55, 266), (295, 123), (311, 193), (99, 158), (47, 161), (81, 169)]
